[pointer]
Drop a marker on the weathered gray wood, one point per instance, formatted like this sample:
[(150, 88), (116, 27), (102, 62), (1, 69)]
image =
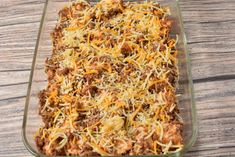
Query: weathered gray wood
[(210, 29)]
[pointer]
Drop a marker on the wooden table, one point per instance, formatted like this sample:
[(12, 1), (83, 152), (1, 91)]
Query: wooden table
[(210, 28)]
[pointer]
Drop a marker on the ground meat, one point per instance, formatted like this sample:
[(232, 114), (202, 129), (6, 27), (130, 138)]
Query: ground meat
[(42, 97), (167, 23), (107, 42), (46, 115), (126, 49), (78, 105), (172, 78), (111, 8), (64, 14), (82, 149), (106, 59), (136, 149), (118, 67), (158, 13), (50, 74), (155, 136), (140, 39), (47, 119), (162, 47), (158, 87), (49, 150), (89, 153), (141, 143), (123, 146), (172, 133), (112, 12), (64, 71), (80, 6), (52, 87), (91, 25), (79, 125), (146, 106), (93, 118), (87, 89), (39, 142), (97, 36), (74, 150), (90, 77), (50, 69), (170, 97), (56, 35)]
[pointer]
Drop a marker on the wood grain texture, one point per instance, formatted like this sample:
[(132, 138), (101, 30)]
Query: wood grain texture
[(210, 29)]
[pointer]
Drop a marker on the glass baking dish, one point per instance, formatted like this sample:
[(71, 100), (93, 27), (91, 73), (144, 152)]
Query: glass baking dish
[(38, 79)]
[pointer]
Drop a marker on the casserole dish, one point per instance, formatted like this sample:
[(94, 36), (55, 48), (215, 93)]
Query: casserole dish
[(38, 81)]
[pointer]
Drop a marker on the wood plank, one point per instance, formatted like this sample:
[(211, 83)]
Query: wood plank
[(12, 92), (17, 77), (209, 26), (216, 118), (216, 152), (11, 143)]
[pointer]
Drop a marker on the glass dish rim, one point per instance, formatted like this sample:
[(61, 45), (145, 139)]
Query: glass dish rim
[(191, 90)]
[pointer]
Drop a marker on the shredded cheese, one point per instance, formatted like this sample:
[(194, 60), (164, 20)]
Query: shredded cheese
[(111, 81)]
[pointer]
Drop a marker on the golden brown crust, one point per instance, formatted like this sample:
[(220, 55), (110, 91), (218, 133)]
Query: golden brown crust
[(111, 82)]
